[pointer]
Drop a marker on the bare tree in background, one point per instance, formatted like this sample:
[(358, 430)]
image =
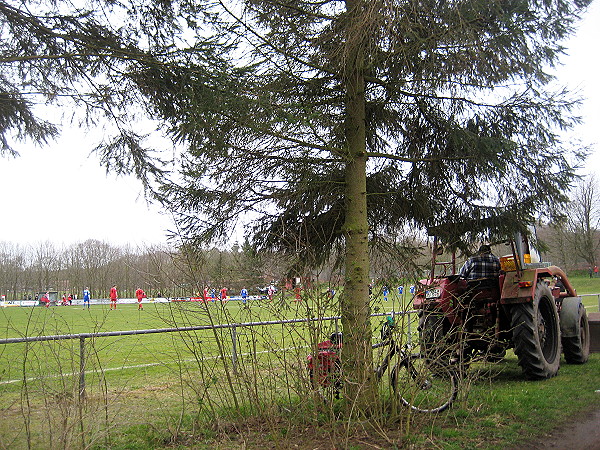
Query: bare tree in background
[(95, 258), (13, 260), (46, 263), (583, 220)]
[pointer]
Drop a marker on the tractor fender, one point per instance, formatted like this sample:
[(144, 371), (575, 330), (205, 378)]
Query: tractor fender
[(512, 290), (569, 316)]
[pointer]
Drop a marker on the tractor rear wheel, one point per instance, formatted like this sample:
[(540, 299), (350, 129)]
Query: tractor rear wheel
[(431, 329), (577, 346), (536, 334), (443, 344)]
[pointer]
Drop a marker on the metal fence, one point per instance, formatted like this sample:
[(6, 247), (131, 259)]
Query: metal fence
[(593, 295), (231, 326)]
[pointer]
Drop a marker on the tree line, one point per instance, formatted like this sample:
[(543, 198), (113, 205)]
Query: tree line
[(574, 242), (158, 269)]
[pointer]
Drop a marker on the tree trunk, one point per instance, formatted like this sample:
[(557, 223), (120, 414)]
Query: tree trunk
[(357, 354)]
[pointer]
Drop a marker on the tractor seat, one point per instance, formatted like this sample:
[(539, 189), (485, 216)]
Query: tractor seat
[(483, 289), (483, 283)]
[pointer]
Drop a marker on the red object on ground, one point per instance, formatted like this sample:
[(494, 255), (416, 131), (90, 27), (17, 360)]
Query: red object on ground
[(325, 362)]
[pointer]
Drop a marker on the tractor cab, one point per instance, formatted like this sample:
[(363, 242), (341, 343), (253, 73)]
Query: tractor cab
[(520, 268)]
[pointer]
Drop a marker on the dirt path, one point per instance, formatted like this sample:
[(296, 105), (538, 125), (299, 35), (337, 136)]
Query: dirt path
[(582, 433)]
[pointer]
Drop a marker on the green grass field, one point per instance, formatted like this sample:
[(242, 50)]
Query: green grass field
[(171, 381), (159, 348)]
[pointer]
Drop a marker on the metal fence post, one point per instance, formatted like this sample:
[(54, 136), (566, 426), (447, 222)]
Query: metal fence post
[(409, 327), (82, 368), (234, 348)]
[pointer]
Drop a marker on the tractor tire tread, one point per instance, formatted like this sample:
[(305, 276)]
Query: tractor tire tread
[(577, 348), (527, 348)]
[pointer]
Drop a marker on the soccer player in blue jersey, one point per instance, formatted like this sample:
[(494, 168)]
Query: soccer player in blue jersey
[(86, 298)]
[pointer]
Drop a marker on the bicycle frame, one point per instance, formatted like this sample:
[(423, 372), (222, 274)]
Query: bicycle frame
[(393, 350)]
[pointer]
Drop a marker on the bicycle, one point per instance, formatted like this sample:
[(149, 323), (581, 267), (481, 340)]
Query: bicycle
[(419, 382)]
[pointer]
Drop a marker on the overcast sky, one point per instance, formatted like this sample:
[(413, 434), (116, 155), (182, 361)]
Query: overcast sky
[(61, 194)]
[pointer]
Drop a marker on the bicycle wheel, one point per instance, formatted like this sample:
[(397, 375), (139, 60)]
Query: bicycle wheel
[(423, 386)]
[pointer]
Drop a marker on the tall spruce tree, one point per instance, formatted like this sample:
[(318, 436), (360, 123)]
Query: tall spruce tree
[(326, 124)]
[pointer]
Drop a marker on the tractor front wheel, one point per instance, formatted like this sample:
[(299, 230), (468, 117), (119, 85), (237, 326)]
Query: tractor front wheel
[(435, 343), (576, 338), (536, 334)]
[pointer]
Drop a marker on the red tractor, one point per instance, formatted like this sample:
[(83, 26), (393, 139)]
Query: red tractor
[(531, 307)]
